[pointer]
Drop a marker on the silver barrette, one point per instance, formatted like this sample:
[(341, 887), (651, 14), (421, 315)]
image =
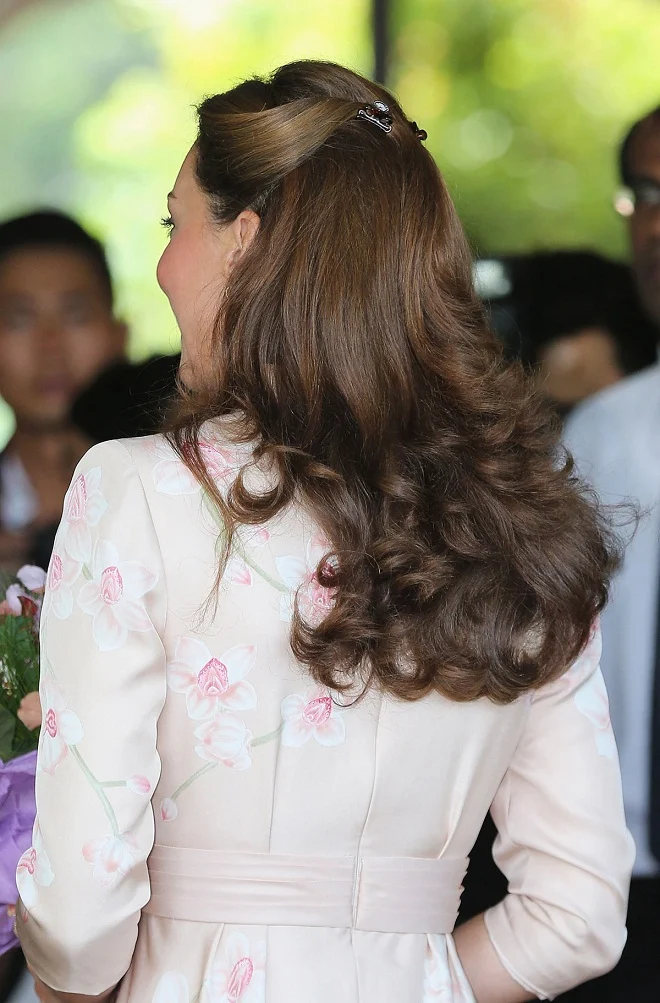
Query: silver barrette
[(378, 113)]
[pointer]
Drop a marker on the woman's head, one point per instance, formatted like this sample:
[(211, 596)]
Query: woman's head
[(323, 285), (341, 215)]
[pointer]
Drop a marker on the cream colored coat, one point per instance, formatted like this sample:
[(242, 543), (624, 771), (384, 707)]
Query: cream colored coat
[(305, 851)]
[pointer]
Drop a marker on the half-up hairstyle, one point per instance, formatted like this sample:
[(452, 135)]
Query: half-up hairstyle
[(466, 558)]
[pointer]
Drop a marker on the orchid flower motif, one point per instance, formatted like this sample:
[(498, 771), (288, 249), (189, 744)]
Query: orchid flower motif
[(225, 739), (312, 715), (63, 573), (61, 728), (238, 974), (113, 597), (301, 576), (173, 477), (84, 505), (112, 857), (33, 871), (212, 684)]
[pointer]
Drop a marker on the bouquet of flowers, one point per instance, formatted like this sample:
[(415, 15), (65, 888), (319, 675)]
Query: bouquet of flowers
[(20, 717)]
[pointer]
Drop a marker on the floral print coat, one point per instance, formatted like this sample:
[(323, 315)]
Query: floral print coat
[(183, 749)]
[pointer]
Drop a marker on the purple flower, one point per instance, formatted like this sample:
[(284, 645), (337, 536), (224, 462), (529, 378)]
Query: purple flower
[(32, 577), (13, 599), (17, 814)]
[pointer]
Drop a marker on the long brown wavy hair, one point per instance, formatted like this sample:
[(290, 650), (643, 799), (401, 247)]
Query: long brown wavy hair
[(467, 558)]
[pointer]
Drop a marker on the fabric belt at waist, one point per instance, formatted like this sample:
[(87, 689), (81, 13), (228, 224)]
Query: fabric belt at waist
[(384, 894)]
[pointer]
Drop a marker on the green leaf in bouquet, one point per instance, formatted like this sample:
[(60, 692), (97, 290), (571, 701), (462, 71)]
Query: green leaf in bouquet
[(24, 740), (19, 660), (7, 731)]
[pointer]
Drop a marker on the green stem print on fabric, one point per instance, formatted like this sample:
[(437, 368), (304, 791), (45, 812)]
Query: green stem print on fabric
[(271, 736), (191, 780), (96, 785), (98, 790), (239, 549), (273, 582)]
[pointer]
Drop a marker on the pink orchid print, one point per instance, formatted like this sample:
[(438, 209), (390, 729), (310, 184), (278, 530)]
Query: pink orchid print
[(112, 857), (61, 728), (225, 739), (173, 477), (301, 577), (238, 974), (84, 506), (33, 871), (114, 597), (212, 684), (312, 715), (63, 573)]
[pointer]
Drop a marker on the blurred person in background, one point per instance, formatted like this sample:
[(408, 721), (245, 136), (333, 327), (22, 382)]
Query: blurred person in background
[(584, 326), (58, 330), (128, 399), (574, 316), (615, 438)]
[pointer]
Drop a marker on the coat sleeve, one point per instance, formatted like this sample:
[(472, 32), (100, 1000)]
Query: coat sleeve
[(562, 840), (84, 881)]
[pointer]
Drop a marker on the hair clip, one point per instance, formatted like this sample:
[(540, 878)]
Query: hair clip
[(378, 113), (420, 133)]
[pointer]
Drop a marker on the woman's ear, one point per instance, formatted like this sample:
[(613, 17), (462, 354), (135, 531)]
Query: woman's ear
[(243, 229)]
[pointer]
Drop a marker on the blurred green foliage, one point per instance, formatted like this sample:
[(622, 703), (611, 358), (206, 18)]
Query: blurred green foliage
[(524, 102), (97, 106)]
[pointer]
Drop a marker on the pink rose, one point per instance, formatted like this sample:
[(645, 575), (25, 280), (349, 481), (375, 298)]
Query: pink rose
[(29, 711)]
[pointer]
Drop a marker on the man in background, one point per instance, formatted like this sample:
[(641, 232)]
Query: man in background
[(615, 438), (583, 327), (57, 332)]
